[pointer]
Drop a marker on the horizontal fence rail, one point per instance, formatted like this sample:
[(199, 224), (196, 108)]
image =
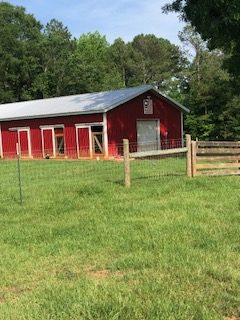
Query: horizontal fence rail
[(215, 158), (218, 150), (226, 144), (157, 153)]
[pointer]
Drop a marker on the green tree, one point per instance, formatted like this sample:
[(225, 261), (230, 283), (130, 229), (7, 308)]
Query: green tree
[(159, 60), (56, 78), (218, 22), (230, 120), (20, 53), (209, 88), (91, 64), (119, 56)]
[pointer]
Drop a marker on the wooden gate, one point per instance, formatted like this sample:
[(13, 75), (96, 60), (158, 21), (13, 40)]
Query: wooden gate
[(215, 158)]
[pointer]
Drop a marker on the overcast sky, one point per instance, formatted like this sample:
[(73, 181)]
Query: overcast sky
[(119, 18)]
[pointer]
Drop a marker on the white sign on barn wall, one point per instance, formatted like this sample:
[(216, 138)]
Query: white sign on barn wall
[(148, 106)]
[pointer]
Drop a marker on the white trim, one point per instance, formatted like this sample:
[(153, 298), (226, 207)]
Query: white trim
[(89, 124), (53, 140), (105, 134), (18, 128), (22, 129), (18, 145), (42, 142), (76, 130), (52, 126), (84, 126), (54, 143), (29, 143), (1, 147), (182, 129)]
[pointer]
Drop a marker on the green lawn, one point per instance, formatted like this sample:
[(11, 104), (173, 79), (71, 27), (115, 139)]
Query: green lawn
[(83, 247)]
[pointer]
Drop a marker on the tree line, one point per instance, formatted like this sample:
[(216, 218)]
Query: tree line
[(39, 61)]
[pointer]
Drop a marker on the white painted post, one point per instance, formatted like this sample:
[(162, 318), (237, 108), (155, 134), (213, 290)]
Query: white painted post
[(127, 178)]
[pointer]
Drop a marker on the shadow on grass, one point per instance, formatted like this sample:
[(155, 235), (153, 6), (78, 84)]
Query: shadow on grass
[(155, 176)]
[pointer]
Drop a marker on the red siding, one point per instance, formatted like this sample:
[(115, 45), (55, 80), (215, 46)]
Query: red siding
[(47, 142), (9, 138), (9, 141), (23, 143), (83, 142), (122, 121)]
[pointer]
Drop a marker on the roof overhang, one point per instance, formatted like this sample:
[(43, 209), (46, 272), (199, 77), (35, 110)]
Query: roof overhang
[(55, 115)]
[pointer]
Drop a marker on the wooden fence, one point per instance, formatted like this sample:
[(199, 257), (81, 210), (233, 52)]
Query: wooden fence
[(209, 158), (144, 154), (213, 158)]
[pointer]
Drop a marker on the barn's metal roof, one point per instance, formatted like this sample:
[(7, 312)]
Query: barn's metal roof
[(76, 104)]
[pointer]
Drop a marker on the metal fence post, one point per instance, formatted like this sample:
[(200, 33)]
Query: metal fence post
[(127, 178), (19, 174)]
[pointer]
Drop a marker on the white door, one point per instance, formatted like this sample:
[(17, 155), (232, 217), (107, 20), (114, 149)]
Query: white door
[(148, 133)]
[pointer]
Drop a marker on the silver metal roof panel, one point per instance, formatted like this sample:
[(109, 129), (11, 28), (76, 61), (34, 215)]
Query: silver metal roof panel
[(75, 105)]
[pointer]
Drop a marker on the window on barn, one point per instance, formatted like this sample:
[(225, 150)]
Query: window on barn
[(59, 141)]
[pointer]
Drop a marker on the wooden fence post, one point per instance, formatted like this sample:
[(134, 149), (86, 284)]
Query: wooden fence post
[(19, 173), (127, 178), (189, 155), (194, 158)]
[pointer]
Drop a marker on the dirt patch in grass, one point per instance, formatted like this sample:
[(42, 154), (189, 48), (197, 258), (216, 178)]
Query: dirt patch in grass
[(9, 293), (2, 300), (232, 318), (103, 274), (99, 274)]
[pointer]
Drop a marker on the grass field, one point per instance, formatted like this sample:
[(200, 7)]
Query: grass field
[(83, 247)]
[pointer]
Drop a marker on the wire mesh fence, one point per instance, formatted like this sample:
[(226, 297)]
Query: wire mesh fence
[(150, 161), (24, 179)]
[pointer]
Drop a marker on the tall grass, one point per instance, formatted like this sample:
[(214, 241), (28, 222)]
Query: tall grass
[(84, 247)]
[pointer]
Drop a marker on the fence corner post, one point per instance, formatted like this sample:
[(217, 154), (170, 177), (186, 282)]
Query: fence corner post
[(189, 155), (127, 178), (194, 158)]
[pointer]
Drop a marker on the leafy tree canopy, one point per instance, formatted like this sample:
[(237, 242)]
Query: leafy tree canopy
[(20, 53), (217, 21), (57, 70)]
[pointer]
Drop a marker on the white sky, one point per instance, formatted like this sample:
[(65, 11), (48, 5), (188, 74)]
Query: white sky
[(119, 18)]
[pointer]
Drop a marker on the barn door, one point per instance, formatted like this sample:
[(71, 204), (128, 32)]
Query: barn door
[(24, 143), (148, 135), (84, 147), (48, 143)]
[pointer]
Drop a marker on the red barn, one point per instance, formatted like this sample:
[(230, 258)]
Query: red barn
[(90, 125)]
